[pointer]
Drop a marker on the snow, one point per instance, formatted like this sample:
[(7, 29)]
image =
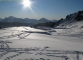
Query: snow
[(26, 43)]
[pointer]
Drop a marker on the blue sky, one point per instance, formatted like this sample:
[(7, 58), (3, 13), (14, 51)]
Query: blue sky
[(50, 9)]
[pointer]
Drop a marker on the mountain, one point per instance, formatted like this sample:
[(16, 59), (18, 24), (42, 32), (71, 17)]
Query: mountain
[(54, 20), (43, 20), (11, 19), (0, 19), (70, 20), (14, 21), (74, 22)]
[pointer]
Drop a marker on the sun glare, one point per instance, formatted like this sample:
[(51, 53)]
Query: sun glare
[(26, 3)]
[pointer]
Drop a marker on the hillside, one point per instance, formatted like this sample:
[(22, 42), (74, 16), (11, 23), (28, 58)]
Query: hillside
[(74, 23), (70, 20)]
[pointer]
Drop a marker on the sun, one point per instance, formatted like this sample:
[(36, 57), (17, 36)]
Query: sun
[(26, 3)]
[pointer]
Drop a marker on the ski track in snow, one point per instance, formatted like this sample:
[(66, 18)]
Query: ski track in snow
[(25, 43)]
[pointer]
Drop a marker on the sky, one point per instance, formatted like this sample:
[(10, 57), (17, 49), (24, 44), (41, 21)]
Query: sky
[(49, 9)]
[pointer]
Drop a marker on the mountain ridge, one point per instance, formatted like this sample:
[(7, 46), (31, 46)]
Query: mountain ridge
[(11, 19)]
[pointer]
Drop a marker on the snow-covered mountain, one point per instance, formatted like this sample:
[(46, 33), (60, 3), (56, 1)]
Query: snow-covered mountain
[(73, 21), (43, 20), (11, 19)]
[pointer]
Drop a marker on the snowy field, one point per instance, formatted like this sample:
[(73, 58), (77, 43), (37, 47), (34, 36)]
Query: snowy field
[(25, 43)]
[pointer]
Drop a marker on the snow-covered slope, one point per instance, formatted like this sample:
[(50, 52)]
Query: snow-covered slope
[(74, 22), (68, 21), (25, 43)]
